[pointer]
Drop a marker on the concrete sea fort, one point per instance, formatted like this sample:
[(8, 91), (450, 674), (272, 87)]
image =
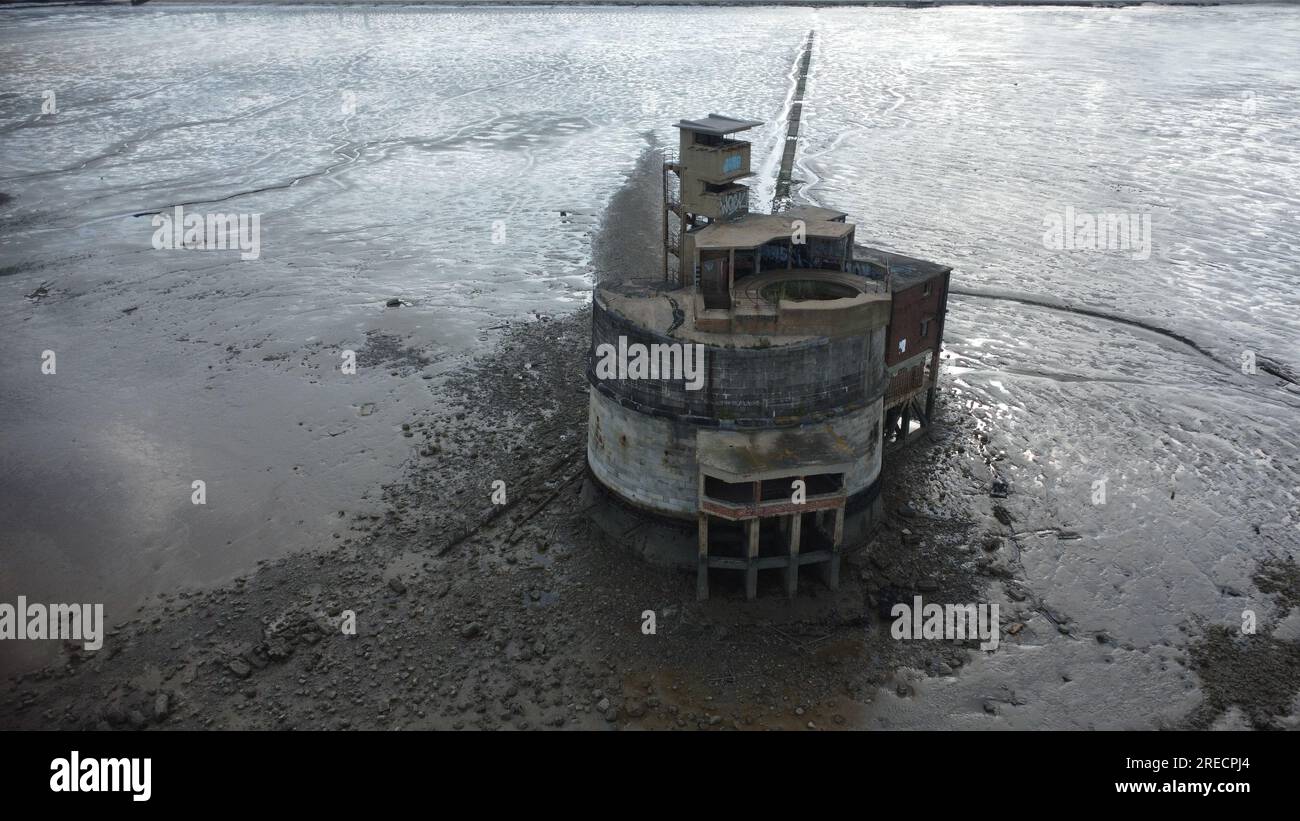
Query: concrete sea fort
[(812, 354)]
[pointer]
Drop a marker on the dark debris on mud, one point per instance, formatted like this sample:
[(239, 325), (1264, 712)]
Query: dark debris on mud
[(523, 615), (1257, 674), (388, 350), (1281, 578), (1254, 673), (470, 614)]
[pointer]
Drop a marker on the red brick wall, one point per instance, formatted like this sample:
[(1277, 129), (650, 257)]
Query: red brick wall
[(910, 306)]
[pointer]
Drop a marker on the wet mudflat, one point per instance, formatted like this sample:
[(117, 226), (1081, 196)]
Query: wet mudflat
[(470, 615), (467, 615), (935, 135)]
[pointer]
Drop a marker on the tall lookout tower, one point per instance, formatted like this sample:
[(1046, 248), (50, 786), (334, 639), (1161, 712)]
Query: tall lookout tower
[(744, 386)]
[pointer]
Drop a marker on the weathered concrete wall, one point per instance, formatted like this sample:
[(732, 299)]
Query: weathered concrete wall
[(650, 461), (866, 423), (756, 387)]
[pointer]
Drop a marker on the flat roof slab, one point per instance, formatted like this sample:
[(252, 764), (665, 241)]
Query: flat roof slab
[(753, 230), (718, 124)]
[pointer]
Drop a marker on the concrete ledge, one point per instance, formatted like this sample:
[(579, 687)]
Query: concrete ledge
[(672, 543)]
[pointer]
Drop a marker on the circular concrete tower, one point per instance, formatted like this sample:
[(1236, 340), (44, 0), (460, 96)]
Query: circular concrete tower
[(736, 406)]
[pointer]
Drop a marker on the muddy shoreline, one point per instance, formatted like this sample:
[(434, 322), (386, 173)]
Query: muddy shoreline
[(441, 608), (471, 615)]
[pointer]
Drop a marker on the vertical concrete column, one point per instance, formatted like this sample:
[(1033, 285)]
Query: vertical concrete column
[(751, 567), (702, 568), (792, 571), (837, 535)]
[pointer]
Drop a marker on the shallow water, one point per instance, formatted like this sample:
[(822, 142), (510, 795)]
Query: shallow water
[(459, 160)]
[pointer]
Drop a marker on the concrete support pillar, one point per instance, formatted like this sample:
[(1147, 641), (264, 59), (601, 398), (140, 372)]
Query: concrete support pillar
[(837, 535), (751, 568), (792, 571), (702, 568)]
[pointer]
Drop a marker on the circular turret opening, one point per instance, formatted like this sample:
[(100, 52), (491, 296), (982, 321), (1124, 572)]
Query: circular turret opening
[(807, 290)]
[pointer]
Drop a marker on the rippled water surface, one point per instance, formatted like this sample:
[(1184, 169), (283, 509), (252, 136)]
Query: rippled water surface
[(460, 159)]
